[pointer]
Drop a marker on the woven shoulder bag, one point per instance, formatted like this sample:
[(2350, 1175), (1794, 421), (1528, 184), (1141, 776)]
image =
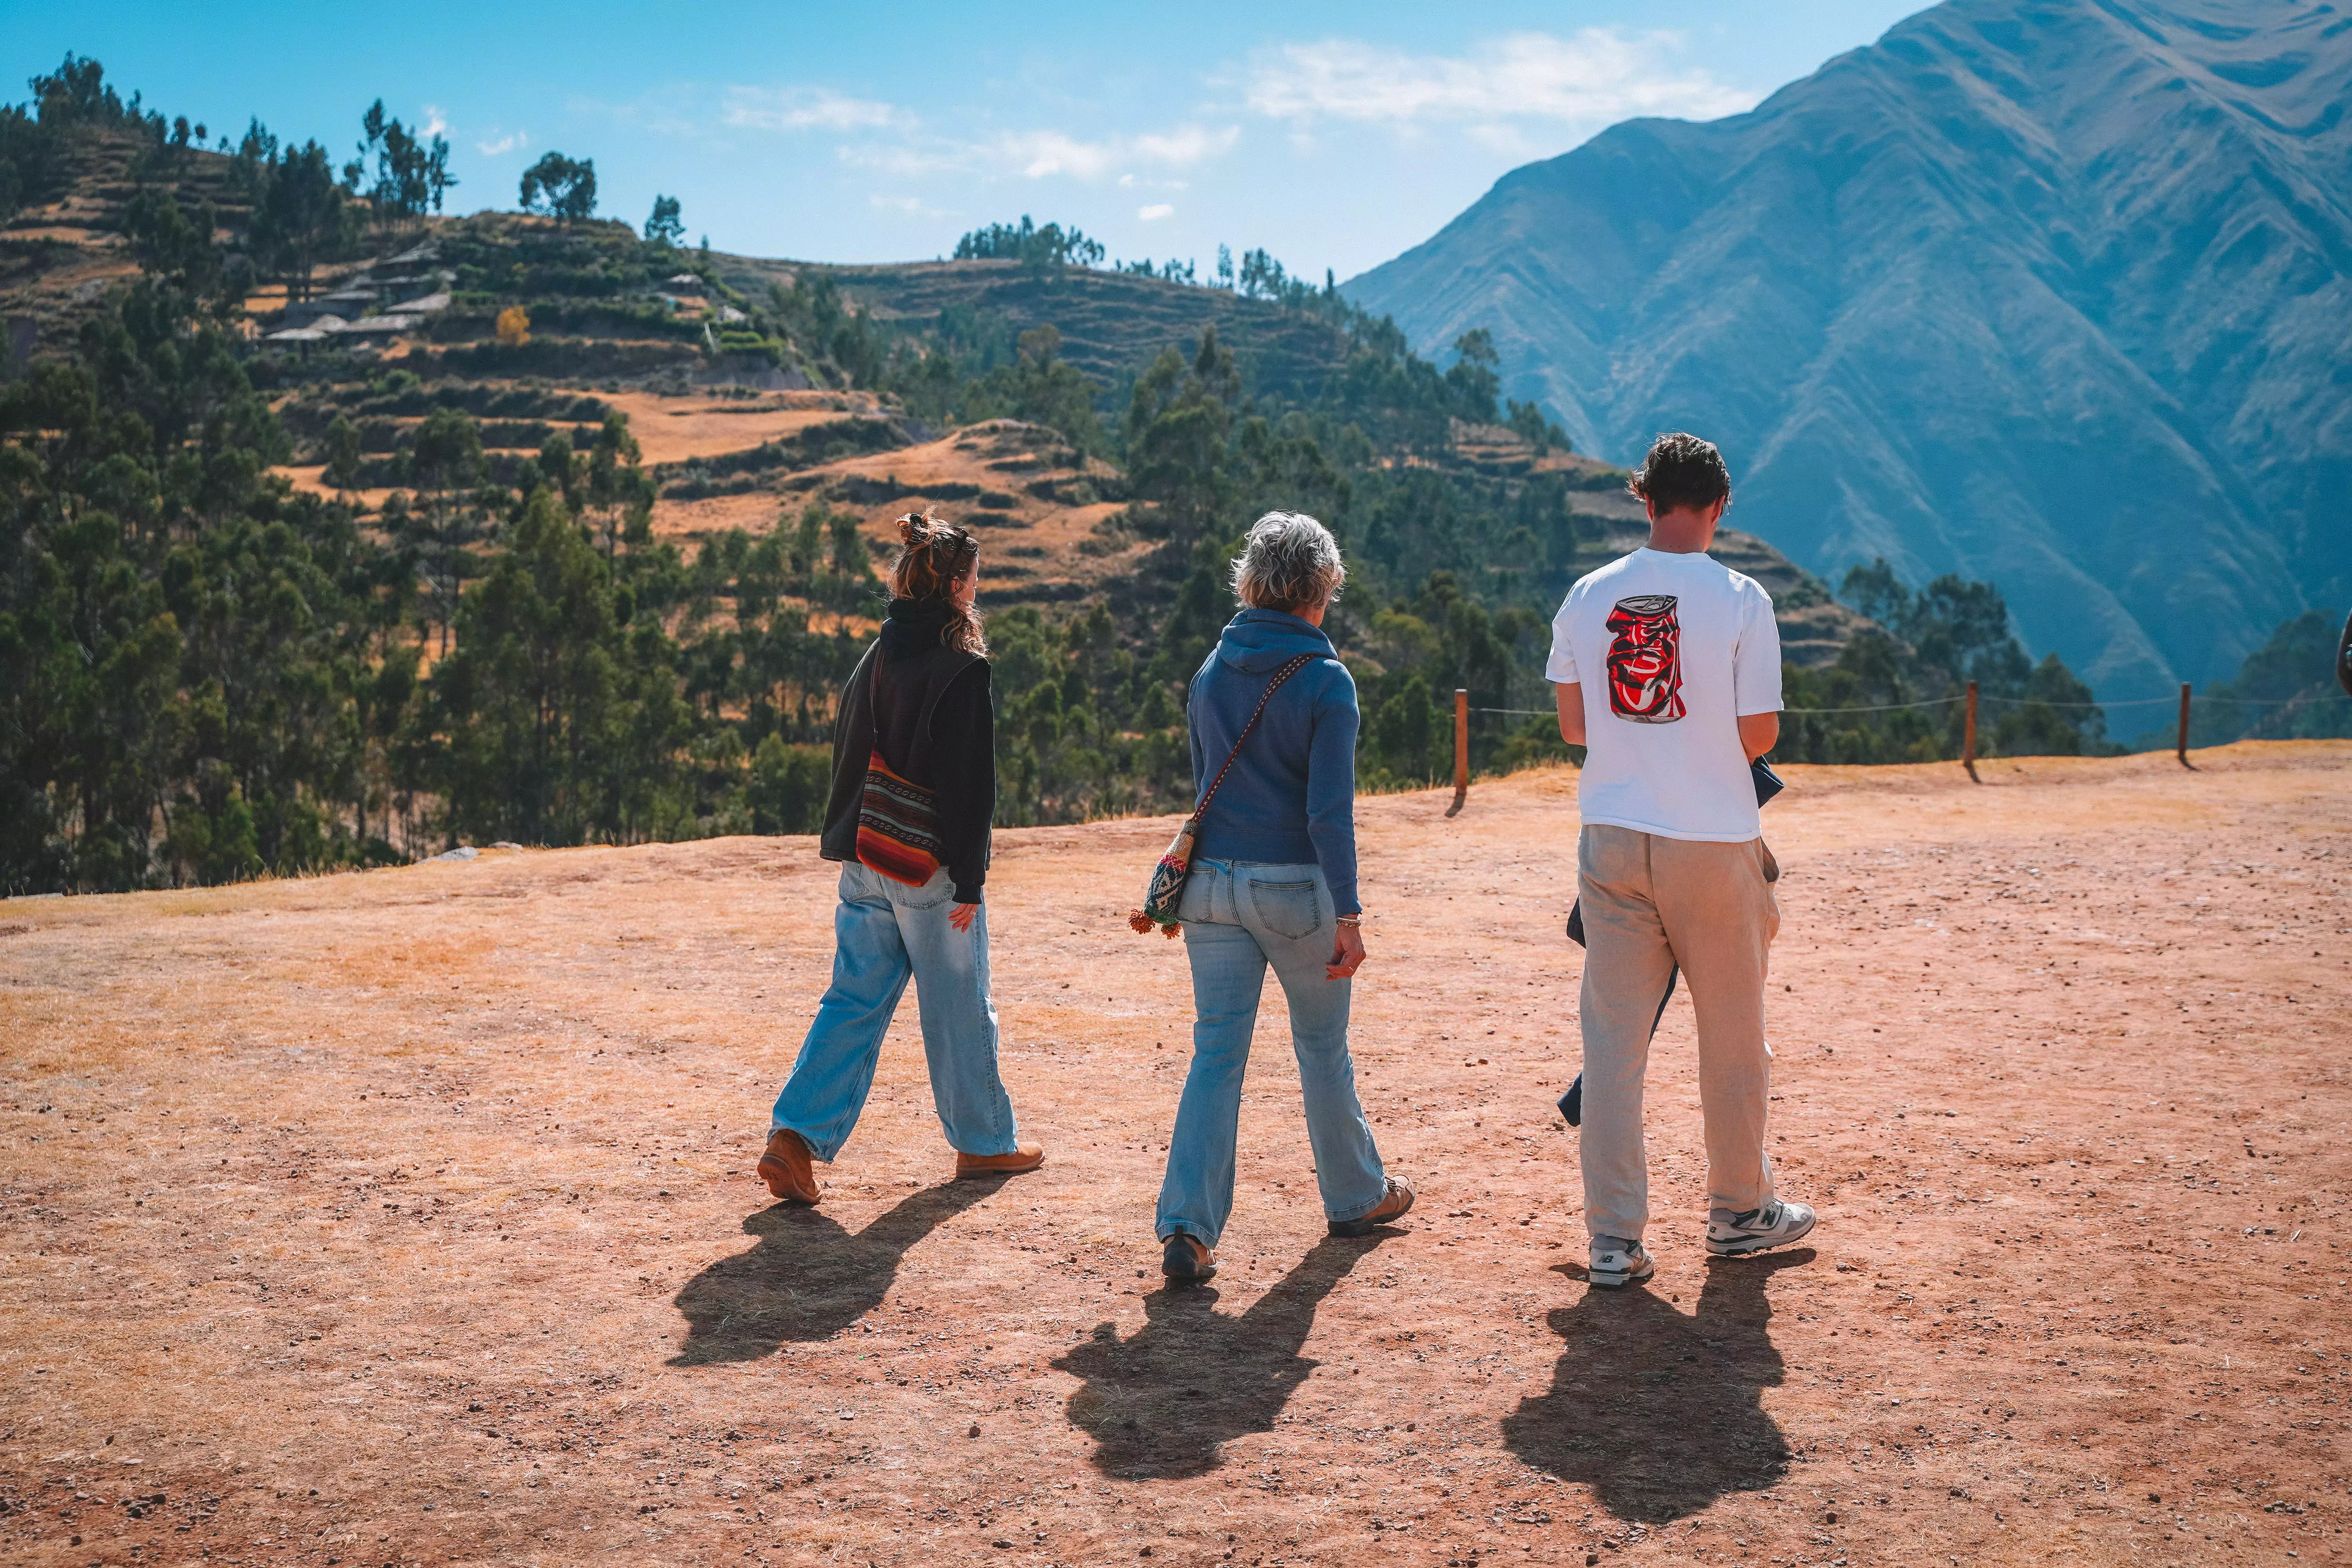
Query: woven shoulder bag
[(897, 819), (1168, 879)]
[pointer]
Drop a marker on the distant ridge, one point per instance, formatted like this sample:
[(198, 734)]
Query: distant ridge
[(2052, 292)]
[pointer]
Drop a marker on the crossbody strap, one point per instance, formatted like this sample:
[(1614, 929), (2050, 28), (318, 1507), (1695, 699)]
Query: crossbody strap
[(1285, 673)]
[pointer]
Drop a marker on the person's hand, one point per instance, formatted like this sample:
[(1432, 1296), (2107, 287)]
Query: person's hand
[(1346, 953), (961, 918)]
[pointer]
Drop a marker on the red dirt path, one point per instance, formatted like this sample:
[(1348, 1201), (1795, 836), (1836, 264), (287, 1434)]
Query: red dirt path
[(406, 1217)]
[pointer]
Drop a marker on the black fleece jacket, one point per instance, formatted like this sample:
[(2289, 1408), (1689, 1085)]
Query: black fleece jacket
[(925, 708)]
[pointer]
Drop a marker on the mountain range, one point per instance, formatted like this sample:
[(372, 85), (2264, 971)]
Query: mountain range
[(2052, 292)]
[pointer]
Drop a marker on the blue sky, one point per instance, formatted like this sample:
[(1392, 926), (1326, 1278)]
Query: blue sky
[(1334, 135)]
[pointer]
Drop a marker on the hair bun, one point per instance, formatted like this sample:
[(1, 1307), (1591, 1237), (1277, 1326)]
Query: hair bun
[(907, 526)]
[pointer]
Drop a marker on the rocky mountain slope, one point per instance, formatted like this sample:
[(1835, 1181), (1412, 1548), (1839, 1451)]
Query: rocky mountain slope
[(2052, 292)]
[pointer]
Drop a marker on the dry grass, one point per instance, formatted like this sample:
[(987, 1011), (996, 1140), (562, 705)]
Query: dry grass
[(1038, 545), (407, 1217), (673, 429), (311, 479)]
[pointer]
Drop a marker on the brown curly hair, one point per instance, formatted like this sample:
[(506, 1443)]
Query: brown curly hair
[(1681, 470), (934, 557)]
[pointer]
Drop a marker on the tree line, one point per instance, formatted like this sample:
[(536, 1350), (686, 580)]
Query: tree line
[(206, 674)]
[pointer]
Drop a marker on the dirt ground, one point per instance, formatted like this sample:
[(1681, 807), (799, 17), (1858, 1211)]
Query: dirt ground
[(407, 1217)]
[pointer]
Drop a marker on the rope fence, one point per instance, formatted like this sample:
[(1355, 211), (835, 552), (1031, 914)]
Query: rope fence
[(1463, 709), (1947, 701)]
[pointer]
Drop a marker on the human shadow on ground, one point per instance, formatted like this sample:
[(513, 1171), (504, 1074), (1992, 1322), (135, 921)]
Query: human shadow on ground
[(1164, 1403), (808, 1279), (1659, 1414)]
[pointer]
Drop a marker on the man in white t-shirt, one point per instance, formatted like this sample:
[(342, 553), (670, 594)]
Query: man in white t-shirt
[(1667, 665)]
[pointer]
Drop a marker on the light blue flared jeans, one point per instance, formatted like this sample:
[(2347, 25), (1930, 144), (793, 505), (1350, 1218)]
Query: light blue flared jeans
[(885, 933), (1239, 917)]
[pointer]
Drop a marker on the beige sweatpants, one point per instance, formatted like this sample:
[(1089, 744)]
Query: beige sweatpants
[(1651, 903)]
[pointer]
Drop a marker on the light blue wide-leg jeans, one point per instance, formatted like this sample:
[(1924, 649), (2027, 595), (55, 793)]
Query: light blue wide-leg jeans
[(1239, 918), (885, 933)]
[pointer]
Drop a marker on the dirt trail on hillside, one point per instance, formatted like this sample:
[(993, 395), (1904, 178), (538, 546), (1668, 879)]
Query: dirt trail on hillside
[(407, 1217)]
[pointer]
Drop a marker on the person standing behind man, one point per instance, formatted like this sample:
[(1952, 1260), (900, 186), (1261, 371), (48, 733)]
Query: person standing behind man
[(1667, 668)]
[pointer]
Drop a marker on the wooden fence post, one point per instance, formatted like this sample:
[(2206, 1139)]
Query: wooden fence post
[(1461, 750), (2180, 750), (1969, 737)]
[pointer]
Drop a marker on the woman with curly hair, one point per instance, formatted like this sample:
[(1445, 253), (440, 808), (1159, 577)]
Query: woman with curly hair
[(914, 787)]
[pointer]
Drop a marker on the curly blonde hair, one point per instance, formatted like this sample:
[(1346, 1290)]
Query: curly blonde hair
[(1290, 562)]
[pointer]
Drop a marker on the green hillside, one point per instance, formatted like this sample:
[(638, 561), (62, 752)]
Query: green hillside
[(334, 532), (1111, 323)]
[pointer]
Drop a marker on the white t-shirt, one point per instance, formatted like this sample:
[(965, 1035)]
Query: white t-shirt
[(1672, 651)]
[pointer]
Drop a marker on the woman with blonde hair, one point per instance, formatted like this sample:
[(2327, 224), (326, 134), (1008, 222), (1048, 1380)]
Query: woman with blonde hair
[(914, 787), (1273, 886)]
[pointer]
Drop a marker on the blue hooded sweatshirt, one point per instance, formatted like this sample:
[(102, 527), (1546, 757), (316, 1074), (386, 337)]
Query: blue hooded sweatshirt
[(1290, 799)]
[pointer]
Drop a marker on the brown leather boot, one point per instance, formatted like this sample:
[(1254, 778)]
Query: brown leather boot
[(1024, 1157), (785, 1167), (1392, 1206)]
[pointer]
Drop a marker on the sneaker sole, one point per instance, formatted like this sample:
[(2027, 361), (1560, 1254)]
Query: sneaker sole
[(1618, 1281), (1741, 1248)]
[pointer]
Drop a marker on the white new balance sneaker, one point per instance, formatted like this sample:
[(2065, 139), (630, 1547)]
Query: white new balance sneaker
[(1777, 1223), (1617, 1263)]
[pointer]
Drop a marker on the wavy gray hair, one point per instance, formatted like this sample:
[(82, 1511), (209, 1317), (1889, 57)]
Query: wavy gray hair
[(1290, 562)]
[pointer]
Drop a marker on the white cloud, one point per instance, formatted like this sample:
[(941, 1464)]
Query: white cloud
[(504, 144), (1039, 153), (435, 123), (907, 163), (1043, 154), (1600, 74), (1187, 145), (675, 109), (804, 109), (1156, 211)]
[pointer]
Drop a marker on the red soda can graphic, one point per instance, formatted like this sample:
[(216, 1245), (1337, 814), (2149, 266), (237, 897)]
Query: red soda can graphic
[(1645, 660)]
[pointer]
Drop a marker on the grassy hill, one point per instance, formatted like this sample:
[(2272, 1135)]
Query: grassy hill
[(58, 257), (735, 429), (1111, 323), (502, 527)]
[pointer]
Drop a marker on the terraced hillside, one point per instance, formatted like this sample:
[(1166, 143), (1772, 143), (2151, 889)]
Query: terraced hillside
[(506, 528), (739, 419), (59, 258), (1111, 323), (739, 431)]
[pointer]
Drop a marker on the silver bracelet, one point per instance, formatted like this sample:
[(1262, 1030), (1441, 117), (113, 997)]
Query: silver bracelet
[(1349, 919)]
